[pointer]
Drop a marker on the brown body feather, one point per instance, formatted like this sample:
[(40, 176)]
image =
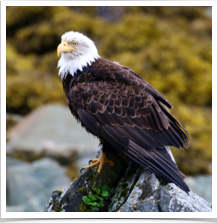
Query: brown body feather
[(123, 110)]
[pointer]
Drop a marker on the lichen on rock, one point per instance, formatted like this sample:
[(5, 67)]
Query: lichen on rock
[(134, 190)]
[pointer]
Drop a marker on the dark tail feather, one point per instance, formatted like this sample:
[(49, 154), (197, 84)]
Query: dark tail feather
[(159, 162)]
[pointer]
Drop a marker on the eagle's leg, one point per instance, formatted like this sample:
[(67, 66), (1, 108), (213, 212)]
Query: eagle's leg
[(99, 162)]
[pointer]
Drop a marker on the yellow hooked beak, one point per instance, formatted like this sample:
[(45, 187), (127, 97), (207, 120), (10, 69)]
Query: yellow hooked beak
[(64, 47)]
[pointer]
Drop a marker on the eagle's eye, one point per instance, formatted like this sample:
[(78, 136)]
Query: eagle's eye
[(75, 44)]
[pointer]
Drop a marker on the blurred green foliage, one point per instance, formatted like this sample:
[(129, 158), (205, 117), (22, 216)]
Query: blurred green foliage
[(170, 47)]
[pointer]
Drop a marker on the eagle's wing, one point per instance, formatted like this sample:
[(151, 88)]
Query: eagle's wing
[(134, 121)]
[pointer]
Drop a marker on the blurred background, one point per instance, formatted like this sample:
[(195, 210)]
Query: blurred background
[(170, 47)]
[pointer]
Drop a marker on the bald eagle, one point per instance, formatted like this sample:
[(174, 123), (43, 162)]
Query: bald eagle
[(120, 108)]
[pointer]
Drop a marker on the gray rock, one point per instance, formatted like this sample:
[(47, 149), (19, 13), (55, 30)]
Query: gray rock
[(124, 187), (14, 117), (127, 208), (51, 129), (29, 186), (151, 195), (13, 162), (134, 190), (147, 207), (201, 185), (71, 198), (11, 121), (16, 208)]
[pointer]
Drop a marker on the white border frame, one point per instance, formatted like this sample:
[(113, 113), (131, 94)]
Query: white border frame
[(135, 215)]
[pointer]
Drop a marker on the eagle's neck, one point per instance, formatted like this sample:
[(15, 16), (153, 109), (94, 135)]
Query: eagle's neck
[(69, 64)]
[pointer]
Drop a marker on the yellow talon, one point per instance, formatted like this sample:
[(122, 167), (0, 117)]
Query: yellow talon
[(94, 160), (100, 162)]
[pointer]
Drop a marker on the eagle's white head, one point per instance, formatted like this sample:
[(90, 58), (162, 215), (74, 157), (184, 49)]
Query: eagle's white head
[(77, 51)]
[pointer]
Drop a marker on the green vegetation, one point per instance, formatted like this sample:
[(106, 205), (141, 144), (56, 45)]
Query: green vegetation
[(59, 192), (95, 199), (170, 47)]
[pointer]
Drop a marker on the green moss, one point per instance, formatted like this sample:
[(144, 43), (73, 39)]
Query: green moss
[(124, 192), (26, 155), (56, 207), (59, 192), (10, 122), (134, 207), (83, 207), (82, 190)]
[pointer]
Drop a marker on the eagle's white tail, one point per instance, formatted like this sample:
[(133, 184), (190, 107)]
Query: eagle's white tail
[(170, 153)]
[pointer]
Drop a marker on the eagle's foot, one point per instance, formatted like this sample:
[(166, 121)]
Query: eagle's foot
[(93, 161), (99, 162)]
